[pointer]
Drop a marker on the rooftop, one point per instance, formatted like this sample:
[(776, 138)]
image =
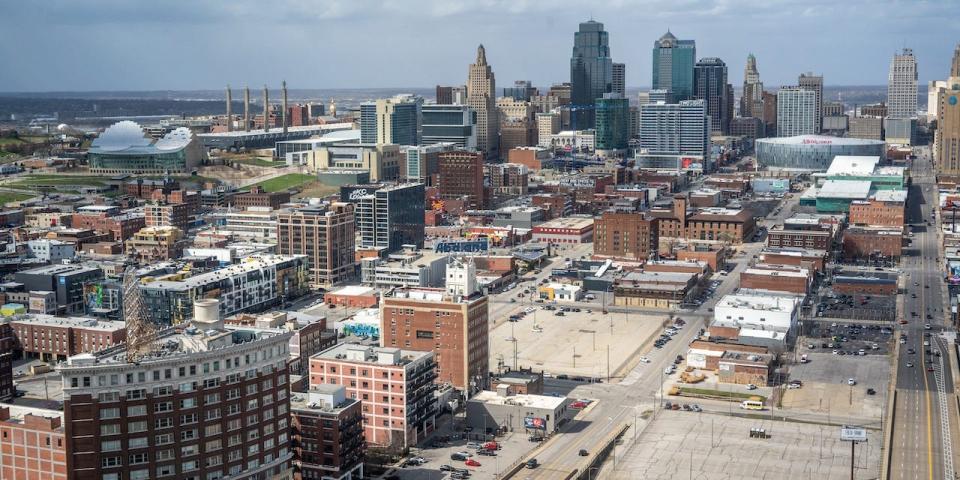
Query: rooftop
[(778, 272), (891, 196), (297, 129), (819, 140), (567, 222), (59, 269), (68, 322), (853, 165), (530, 401), (355, 353), (851, 189), (770, 303), (247, 265)]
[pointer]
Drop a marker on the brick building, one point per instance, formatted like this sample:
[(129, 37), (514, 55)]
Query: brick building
[(325, 234), (566, 230), (533, 157), (723, 224), (779, 237), (776, 278), (812, 260), (55, 338), (454, 328), (257, 197), (862, 243), (395, 388), (32, 444), (108, 220), (169, 215), (460, 174), (877, 212), (625, 235), (326, 434), (143, 188), (556, 204)]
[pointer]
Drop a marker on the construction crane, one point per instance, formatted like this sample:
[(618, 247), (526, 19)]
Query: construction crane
[(141, 331)]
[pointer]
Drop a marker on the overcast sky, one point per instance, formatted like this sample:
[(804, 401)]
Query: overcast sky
[(50, 45)]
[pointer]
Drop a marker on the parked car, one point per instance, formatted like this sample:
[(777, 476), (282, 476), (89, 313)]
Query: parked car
[(532, 463), (472, 463), (583, 453)]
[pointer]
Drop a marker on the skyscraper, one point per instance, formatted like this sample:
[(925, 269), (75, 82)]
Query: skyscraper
[(613, 123), (325, 234), (902, 86), (591, 72), (449, 123), (393, 120), (947, 140), (673, 62), (521, 90), (391, 217), (796, 111), (675, 128), (482, 97), (620, 79), (814, 83), (710, 85), (751, 103)]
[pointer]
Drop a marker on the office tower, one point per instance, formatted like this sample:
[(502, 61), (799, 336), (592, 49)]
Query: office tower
[(902, 86), (325, 234), (455, 124), (814, 83), (562, 91), (444, 95), (453, 327), (947, 139), (675, 128), (522, 90), (518, 127), (613, 124), (229, 109), (796, 111), (620, 79), (769, 116), (395, 120), (673, 62), (710, 85), (660, 95), (391, 217), (482, 97), (460, 175), (591, 72), (422, 162), (751, 103), (547, 125)]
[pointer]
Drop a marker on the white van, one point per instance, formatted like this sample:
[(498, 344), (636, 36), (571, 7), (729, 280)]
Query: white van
[(751, 405)]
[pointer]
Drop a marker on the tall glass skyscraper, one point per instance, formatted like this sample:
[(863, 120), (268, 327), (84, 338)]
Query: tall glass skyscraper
[(710, 85), (591, 72), (673, 62), (613, 122)]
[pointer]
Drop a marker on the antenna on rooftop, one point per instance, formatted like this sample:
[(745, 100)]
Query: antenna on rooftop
[(141, 331)]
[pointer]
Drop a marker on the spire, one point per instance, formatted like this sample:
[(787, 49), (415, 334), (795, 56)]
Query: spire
[(481, 55), (955, 66)]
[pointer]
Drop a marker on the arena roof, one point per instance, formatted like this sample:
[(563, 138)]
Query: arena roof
[(128, 137), (816, 140)]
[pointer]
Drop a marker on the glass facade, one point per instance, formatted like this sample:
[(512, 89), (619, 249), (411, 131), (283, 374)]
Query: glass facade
[(811, 152), (455, 124), (368, 122), (591, 72), (613, 123), (710, 83), (673, 62), (392, 217)]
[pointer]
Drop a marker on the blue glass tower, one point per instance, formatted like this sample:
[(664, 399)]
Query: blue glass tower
[(673, 62), (591, 72)]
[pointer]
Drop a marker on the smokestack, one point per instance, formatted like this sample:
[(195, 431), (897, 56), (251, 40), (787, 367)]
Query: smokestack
[(266, 110), (229, 109), (246, 109), (283, 95)]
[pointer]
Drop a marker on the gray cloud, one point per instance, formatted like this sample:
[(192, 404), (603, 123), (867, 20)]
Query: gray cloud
[(181, 44)]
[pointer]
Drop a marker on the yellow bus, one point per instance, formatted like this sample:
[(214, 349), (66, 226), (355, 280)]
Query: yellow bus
[(751, 405)]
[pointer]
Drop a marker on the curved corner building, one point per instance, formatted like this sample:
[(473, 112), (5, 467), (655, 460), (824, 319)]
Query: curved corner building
[(124, 148), (813, 152)]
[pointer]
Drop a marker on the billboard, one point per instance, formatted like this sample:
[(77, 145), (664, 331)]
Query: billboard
[(479, 245), (536, 423), (352, 193)]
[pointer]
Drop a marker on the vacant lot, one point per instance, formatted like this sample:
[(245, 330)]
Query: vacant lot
[(8, 197)]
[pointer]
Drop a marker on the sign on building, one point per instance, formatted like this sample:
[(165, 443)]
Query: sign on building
[(536, 423)]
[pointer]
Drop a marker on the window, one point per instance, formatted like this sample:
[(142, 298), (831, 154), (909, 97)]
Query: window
[(211, 398), (188, 403), (252, 435), (233, 409), (136, 394), (212, 414), (188, 419), (162, 407), (189, 450), (166, 470), (109, 429), (188, 434), (234, 440), (211, 430), (109, 397), (142, 474), (108, 462), (252, 404), (164, 439), (162, 391), (211, 383), (235, 455), (110, 476), (109, 445), (134, 427), (165, 422), (212, 446), (252, 389), (138, 458), (139, 442), (163, 455), (234, 424), (109, 413), (136, 410), (253, 449)]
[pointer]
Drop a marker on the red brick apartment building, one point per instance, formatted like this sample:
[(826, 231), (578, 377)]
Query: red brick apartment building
[(32, 444)]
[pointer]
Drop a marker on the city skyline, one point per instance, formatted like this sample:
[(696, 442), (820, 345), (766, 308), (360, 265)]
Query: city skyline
[(198, 47)]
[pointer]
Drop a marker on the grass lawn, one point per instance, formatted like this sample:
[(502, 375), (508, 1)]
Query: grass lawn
[(285, 182), (10, 141), (32, 180), (8, 197), (259, 162)]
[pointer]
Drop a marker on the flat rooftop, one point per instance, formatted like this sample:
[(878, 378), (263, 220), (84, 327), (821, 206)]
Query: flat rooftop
[(297, 129), (755, 301), (853, 165), (891, 196), (531, 401), (246, 266), (344, 352), (86, 323), (852, 189), (658, 277), (567, 222)]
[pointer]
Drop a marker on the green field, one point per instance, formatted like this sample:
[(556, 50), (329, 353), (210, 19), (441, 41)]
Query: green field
[(7, 197), (284, 182), (55, 180), (10, 141), (259, 162)]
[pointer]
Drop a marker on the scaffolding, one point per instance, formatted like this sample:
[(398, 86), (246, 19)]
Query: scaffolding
[(141, 331)]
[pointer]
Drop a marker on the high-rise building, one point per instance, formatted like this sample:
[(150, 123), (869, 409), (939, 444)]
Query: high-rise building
[(327, 434), (455, 124), (548, 124), (325, 234), (422, 161), (395, 120), (613, 123), (710, 85), (454, 328), (482, 97), (675, 128), (769, 113), (947, 139), (625, 235), (619, 79), (814, 83), (902, 86), (591, 72), (673, 62), (751, 103), (518, 126), (796, 111), (391, 217), (522, 90), (211, 402), (444, 95), (460, 174)]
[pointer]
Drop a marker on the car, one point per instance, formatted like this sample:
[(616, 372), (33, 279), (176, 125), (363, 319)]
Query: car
[(532, 463), (473, 445), (928, 326), (696, 408), (415, 461), (871, 391), (926, 286), (851, 382), (751, 386), (458, 457), (909, 364), (926, 343), (911, 351), (836, 352), (447, 468), (861, 352), (472, 463), (579, 405), (930, 368), (464, 453), (644, 360), (676, 406), (668, 406), (486, 453)]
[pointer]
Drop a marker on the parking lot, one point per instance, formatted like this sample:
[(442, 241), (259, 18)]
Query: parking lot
[(821, 336), (587, 343), (826, 388), (514, 445), (855, 307)]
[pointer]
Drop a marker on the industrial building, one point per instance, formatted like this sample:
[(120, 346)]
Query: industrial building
[(767, 319)]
